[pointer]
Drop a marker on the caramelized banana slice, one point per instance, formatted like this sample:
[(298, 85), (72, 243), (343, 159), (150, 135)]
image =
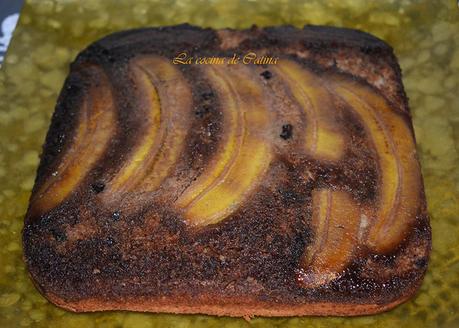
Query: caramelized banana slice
[(233, 122), (165, 125), (336, 224), (243, 156), (96, 125), (399, 170), (322, 140)]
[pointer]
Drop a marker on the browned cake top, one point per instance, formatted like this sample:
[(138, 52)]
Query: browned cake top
[(293, 182)]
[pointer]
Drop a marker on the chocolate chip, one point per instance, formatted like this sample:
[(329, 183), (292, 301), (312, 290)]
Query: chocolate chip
[(267, 74), (287, 131), (116, 215), (201, 111), (290, 197), (98, 187), (207, 95), (58, 235), (421, 262), (110, 241)]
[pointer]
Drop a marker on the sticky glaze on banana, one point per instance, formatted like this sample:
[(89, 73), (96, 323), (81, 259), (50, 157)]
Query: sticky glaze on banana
[(340, 225), (400, 177), (243, 157), (165, 98), (94, 129), (335, 224)]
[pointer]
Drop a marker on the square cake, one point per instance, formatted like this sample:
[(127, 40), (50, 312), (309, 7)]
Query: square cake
[(268, 171)]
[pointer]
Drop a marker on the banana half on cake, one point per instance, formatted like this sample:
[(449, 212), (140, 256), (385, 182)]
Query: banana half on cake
[(286, 183)]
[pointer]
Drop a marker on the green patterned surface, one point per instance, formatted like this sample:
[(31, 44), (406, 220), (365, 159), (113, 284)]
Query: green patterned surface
[(425, 35)]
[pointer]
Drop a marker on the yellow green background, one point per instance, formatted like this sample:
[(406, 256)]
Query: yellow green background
[(425, 36)]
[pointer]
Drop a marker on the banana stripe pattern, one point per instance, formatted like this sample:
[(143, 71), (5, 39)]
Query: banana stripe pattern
[(245, 150)]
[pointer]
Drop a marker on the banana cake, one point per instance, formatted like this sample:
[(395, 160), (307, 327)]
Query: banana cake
[(279, 179)]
